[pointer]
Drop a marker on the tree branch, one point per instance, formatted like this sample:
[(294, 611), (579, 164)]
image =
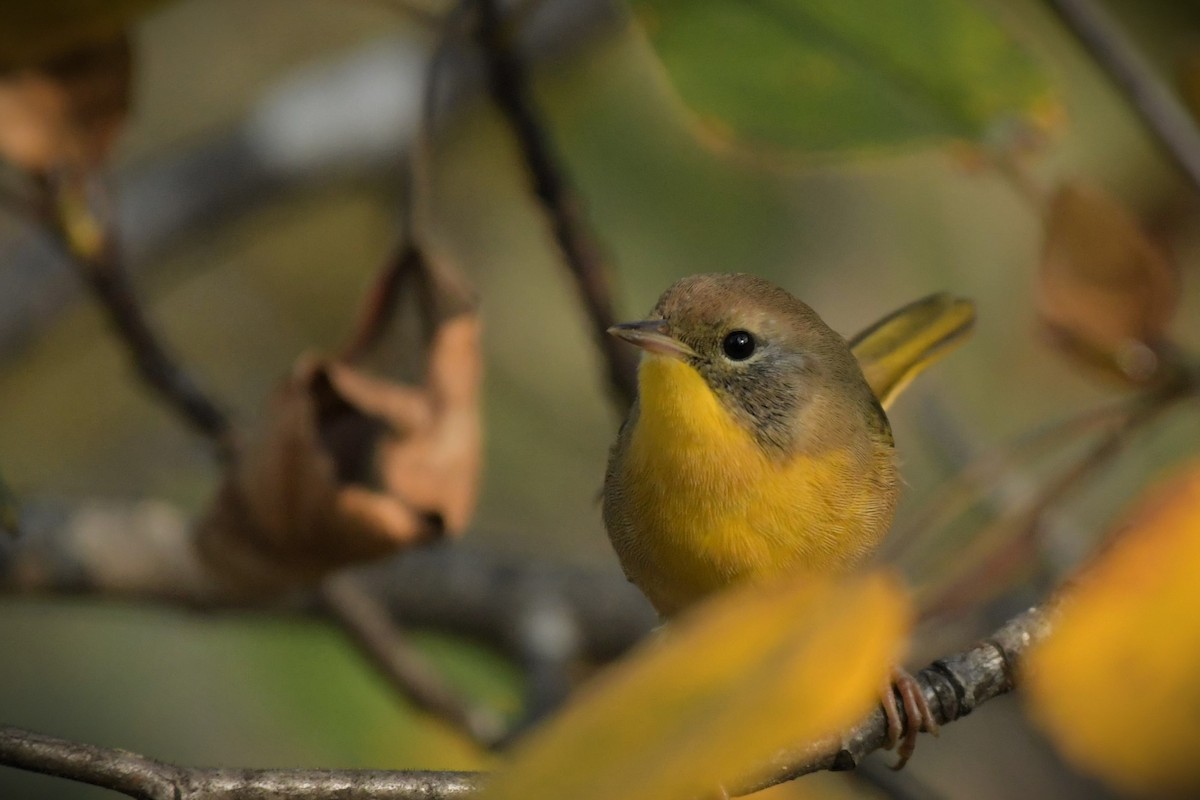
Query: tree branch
[(509, 86), (1171, 124), (147, 779), (98, 263), (142, 553), (954, 686), (378, 306), (379, 637), (543, 616), (86, 235)]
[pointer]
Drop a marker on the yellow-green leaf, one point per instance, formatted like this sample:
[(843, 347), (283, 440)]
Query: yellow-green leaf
[(828, 75), (716, 693), (1116, 684), (903, 344)]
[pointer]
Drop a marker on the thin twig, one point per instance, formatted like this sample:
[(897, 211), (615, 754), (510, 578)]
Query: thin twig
[(440, 291), (953, 686), (158, 369), (99, 265), (988, 565), (377, 309), (381, 639), (509, 86), (962, 488), (148, 779), (1159, 108), (378, 306)]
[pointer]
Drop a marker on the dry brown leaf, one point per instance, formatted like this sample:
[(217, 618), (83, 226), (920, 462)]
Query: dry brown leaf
[(1106, 292), (1116, 684), (352, 467), (66, 112)]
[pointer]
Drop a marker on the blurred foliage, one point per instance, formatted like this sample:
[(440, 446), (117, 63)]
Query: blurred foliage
[(241, 297), (1116, 683), (825, 75), (200, 690), (31, 33), (1106, 290), (709, 699)]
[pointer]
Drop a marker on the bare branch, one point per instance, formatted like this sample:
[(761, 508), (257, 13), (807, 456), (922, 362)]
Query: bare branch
[(142, 553), (111, 286), (147, 779), (382, 640), (953, 686), (509, 86), (378, 305), (1160, 110), (99, 265), (996, 552), (973, 475)]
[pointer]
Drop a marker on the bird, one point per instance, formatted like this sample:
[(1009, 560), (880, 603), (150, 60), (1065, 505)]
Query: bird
[(756, 447)]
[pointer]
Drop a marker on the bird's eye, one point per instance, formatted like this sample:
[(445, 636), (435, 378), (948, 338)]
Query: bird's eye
[(738, 345)]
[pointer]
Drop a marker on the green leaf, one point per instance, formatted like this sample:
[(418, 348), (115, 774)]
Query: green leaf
[(828, 75)]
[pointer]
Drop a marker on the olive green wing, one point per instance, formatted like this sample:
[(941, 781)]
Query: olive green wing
[(903, 344)]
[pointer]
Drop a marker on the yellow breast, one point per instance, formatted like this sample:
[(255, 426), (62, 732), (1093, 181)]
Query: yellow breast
[(695, 503)]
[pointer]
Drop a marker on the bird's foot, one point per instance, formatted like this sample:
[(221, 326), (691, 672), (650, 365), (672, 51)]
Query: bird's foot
[(918, 716)]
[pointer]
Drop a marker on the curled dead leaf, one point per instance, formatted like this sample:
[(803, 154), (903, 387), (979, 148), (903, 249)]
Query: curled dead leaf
[(67, 111), (1106, 292), (1115, 685), (352, 467)]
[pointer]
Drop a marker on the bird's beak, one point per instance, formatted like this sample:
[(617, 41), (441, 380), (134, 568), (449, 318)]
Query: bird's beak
[(651, 335)]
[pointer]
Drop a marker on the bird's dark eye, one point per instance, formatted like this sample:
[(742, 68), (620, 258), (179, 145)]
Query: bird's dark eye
[(738, 345)]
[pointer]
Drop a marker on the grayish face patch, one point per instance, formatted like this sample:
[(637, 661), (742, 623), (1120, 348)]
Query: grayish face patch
[(794, 352)]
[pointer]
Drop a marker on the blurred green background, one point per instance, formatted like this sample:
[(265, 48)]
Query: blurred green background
[(241, 297)]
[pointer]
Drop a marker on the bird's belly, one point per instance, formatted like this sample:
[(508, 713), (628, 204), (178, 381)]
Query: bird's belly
[(702, 530)]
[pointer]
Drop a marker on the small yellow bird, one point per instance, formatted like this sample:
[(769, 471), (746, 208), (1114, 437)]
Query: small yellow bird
[(756, 446)]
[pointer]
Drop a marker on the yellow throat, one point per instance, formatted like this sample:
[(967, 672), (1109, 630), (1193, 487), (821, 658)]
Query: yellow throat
[(702, 504)]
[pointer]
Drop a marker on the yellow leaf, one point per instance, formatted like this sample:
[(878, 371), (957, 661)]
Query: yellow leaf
[(1118, 684), (903, 344), (711, 698), (817, 786)]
